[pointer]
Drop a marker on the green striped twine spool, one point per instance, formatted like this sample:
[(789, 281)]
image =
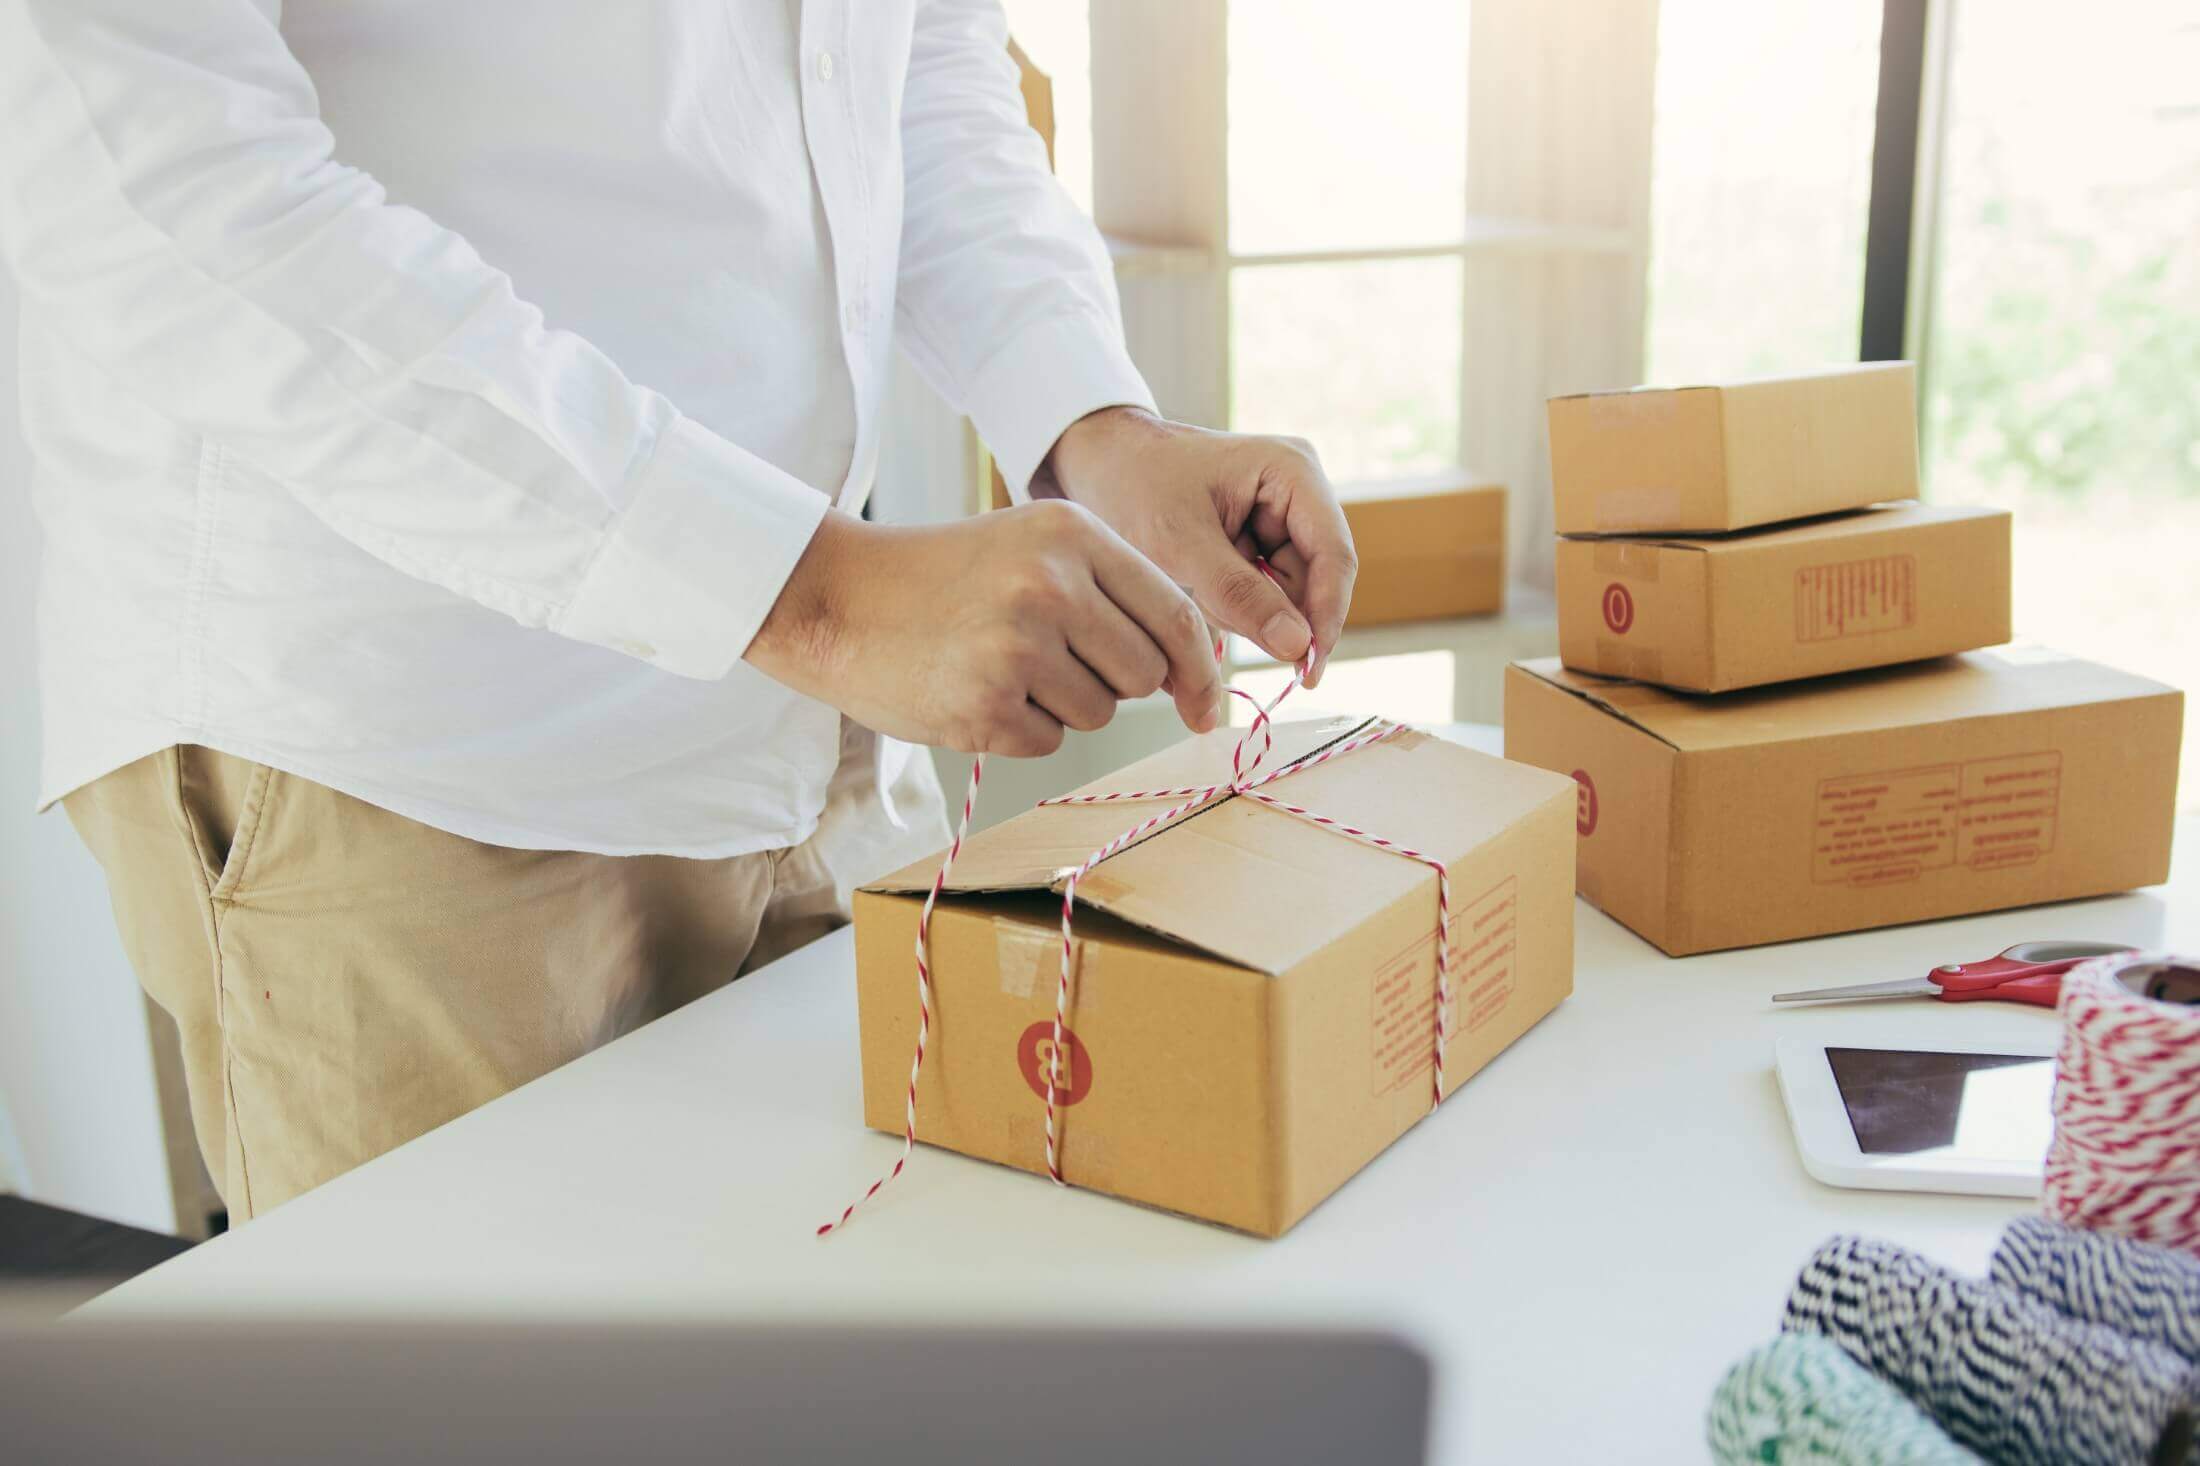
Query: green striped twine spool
[(1802, 1398)]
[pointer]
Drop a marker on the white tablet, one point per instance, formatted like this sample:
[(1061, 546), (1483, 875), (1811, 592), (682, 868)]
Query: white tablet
[(1966, 1118)]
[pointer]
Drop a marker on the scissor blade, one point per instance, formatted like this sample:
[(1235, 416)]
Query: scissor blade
[(1908, 987)]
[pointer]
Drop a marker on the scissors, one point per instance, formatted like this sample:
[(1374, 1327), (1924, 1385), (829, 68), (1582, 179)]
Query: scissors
[(2029, 972)]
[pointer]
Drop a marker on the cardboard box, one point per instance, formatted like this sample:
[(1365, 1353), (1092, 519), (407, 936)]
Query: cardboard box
[(1702, 459), (1970, 783), (1252, 1016), (1712, 613), (1428, 549)]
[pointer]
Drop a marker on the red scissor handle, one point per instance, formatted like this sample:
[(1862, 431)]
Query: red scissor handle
[(2006, 980)]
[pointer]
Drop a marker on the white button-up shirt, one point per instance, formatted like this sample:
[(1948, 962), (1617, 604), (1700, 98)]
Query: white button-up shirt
[(431, 398)]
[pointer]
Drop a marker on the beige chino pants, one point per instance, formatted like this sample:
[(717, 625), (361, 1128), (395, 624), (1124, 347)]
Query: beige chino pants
[(344, 979)]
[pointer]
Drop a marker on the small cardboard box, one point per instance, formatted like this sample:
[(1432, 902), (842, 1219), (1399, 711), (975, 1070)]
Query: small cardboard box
[(1712, 613), (1704, 459), (1970, 783), (1253, 1002), (1428, 549)]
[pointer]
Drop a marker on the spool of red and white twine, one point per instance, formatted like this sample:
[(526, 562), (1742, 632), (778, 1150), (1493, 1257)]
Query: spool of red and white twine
[(2126, 1154), (1245, 780)]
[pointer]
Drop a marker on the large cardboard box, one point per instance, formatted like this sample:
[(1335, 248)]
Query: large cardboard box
[(1428, 549), (1716, 612), (1253, 1007), (1970, 783), (1699, 459)]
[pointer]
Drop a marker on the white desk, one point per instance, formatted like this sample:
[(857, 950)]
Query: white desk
[(1584, 1237)]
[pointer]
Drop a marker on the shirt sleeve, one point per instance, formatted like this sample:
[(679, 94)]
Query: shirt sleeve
[(171, 201), (1005, 300)]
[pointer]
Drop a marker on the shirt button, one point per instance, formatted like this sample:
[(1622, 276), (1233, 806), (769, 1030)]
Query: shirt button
[(640, 649), (824, 66)]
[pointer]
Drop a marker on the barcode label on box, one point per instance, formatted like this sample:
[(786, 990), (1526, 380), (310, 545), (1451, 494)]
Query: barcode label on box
[(1878, 829), (1855, 598)]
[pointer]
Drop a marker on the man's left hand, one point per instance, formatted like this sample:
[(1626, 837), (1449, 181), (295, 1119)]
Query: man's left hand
[(1203, 506)]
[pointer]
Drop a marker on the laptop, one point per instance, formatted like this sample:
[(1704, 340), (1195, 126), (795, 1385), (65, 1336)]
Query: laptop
[(239, 1393)]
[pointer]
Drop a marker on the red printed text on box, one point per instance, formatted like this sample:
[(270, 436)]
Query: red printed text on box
[(1873, 829), (1484, 950)]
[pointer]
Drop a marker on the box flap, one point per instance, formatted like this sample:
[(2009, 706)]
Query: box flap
[(1615, 696), (1820, 529), (1847, 369), (1972, 685), (1425, 486), (1789, 531), (1250, 884), (1028, 851), (1641, 388)]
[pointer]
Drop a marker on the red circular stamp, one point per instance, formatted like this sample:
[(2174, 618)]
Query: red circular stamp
[(1585, 803), (1035, 1057), (1619, 608)]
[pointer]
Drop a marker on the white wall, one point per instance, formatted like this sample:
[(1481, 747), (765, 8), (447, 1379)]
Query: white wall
[(76, 1073)]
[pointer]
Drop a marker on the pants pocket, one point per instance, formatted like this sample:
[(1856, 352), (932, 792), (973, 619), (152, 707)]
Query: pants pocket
[(224, 800)]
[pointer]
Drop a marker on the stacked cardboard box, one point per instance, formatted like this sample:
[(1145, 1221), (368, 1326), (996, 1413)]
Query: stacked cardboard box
[(1429, 549), (1759, 693)]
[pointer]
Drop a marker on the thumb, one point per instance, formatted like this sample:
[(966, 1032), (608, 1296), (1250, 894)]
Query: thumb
[(1238, 597)]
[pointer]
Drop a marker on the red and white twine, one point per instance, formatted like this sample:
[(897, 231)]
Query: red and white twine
[(1246, 780), (2126, 1153), (924, 997)]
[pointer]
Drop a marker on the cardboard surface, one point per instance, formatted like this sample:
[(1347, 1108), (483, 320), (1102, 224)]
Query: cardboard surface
[(1428, 550), (1252, 1009), (1713, 613), (1970, 783), (1713, 458)]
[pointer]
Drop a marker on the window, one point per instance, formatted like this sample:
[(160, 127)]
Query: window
[(1348, 125), (1360, 358), (1346, 146), (1760, 186), (1393, 228), (2061, 319), (1057, 36)]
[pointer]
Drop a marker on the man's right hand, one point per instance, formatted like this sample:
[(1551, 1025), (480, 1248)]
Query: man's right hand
[(988, 635)]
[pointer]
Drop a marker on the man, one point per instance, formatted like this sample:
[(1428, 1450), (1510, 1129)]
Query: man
[(451, 422)]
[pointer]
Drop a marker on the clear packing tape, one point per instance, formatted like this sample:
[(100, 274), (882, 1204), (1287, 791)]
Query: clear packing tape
[(2126, 1154)]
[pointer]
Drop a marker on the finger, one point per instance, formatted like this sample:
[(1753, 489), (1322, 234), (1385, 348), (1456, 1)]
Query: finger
[(1067, 690), (1290, 569), (1238, 596), (1024, 731), (1314, 522), (1291, 572), (1122, 655), (1169, 620)]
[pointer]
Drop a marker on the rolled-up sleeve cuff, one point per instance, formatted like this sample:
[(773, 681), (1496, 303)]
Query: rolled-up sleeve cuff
[(1048, 376), (690, 569)]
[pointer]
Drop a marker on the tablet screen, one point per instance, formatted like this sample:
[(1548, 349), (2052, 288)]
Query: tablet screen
[(1985, 1106)]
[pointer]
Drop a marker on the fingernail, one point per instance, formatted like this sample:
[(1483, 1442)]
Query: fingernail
[(1283, 631)]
